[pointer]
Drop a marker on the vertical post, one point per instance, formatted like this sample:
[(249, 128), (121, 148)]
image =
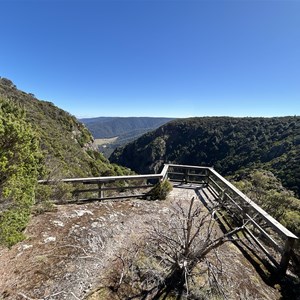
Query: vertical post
[(222, 196), (285, 257), (101, 191), (206, 177), (164, 173), (186, 177)]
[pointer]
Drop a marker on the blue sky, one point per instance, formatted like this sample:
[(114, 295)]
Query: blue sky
[(155, 58)]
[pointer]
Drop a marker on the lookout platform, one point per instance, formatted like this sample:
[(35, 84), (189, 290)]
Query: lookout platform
[(232, 207)]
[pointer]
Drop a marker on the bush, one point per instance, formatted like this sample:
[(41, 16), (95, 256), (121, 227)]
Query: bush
[(13, 222), (20, 164), (160, 191)]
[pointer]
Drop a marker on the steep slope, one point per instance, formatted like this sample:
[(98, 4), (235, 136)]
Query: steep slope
[(38, 140), (67, 144), (228, 144)]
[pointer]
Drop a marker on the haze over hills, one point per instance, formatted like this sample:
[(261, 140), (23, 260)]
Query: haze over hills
[(123, 129), (107, 127), (228, 144)]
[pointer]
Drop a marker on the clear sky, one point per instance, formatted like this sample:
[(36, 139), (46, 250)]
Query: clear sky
[(155, 58)]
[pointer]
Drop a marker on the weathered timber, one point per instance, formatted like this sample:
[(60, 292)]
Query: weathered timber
[(222, 188), (107, 179), (269, 219)]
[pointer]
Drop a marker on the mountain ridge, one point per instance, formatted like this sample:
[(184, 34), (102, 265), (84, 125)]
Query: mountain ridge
[(39, 141), (124, 129), (107, 127)]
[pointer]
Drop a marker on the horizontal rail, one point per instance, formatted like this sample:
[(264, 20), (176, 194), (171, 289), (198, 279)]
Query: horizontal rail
[(113, 188), (188, 167), (81, 201), (248, 210), (106, 179), (262, 213), (189, 174)]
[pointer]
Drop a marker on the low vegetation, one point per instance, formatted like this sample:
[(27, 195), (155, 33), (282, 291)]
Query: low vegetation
[(267, 191), (160, 191), (181, 256)]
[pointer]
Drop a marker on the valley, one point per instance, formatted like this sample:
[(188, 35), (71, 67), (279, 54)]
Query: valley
[(120, 130)]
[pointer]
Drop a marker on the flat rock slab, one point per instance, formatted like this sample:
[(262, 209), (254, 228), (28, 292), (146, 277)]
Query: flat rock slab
[(67, 250)]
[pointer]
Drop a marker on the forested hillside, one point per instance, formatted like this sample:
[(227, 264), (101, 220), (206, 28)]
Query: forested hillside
[(227, 144), (67, 145), (38, 140)]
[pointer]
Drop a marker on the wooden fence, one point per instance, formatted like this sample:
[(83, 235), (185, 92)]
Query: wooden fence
[(263, 229), (267, 233), (105, 184)]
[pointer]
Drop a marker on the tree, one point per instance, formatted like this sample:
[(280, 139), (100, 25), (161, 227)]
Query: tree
[(20, 164)]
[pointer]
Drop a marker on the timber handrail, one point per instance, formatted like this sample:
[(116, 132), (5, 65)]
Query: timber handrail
[(103, 179), (248, 209), (269, 219)]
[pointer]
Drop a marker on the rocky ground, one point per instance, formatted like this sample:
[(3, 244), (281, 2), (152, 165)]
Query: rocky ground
[(68, 250)]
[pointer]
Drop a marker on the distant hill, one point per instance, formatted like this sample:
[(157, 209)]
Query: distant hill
[(125, 129), (228, 144), (107, 127)]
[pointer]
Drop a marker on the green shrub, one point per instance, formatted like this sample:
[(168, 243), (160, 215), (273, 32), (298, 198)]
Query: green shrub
[(291, 220), (160, 191), (20, 164), (13, 222)]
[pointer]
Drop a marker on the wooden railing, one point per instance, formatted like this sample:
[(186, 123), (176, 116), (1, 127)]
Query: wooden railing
[(103, 185), (267, 233)]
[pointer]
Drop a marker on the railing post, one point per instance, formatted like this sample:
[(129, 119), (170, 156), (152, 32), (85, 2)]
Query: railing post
[(101, 191), (186, 177), (207, 177), (285, 257), (164, 173), (222, 196)]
